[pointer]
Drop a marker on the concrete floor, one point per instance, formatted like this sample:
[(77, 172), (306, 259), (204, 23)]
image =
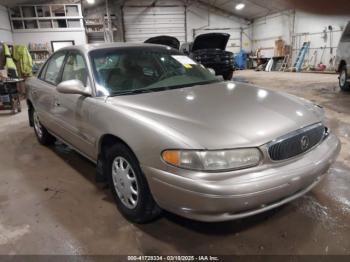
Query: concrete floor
[(50, 204)]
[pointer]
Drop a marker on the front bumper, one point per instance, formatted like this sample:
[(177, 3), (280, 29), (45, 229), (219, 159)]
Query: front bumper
[(241, 193)]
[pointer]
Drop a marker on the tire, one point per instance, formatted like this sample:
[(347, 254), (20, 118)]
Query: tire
[(140, 208), (43, 136), (228, 76), (343, 77)]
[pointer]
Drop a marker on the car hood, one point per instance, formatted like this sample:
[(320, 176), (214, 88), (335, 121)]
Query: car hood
[(220, 115), (164, 40), (211, 41)]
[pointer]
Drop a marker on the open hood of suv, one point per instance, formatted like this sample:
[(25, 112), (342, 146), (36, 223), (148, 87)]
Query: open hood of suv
[(211, 41), (164, 40)]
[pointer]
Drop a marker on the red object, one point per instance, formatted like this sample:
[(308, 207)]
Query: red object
[(321, 67)]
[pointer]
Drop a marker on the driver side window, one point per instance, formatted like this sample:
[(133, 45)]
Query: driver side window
[(75, 69), (52, 70)]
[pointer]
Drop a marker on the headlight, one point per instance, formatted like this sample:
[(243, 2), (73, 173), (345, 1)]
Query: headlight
[(215, 160)]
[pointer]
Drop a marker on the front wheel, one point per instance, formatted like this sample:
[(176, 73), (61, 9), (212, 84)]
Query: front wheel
[(43, 136), (129, 186), (343, 79)]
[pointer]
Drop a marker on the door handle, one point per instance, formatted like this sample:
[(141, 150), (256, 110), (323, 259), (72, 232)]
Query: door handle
[(56, 102)]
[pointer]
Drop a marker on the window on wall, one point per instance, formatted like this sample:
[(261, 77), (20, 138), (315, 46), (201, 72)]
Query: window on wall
[(43, 11), (54, 16), (56, 45)]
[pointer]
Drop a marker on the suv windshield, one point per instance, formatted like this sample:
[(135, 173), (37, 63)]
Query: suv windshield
[(131, 70)]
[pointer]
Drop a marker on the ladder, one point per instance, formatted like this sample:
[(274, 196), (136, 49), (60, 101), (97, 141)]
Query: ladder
[(284, 64), (301, 56)]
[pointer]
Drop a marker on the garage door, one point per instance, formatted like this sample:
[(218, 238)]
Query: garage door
[(142, 23)]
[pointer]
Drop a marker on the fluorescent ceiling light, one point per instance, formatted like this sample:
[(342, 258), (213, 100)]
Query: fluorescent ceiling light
[(240, 6), (90, 1)]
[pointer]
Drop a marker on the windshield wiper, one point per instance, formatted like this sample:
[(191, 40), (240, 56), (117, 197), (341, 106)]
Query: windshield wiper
[(138, 91), (162, 88), (130, 92)]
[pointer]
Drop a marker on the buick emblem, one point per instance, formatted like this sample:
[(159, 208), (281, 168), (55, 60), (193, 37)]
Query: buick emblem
[(304, 142)]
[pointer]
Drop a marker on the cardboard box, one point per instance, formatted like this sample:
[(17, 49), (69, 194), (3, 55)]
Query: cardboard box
[(279, 44), (3, 74)]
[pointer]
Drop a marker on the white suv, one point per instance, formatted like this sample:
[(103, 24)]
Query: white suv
[(343, 59)]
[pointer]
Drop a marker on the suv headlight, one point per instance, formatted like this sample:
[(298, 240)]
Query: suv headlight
[(213, 160)]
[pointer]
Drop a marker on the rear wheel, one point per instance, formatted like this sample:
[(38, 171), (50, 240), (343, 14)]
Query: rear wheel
[(43, 136), (343, 79), (129, 186)]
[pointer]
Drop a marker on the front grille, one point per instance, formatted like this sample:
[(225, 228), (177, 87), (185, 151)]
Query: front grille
[(296, 142)]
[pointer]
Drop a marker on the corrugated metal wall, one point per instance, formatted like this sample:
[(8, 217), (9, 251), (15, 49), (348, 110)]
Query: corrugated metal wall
[(142, 23)]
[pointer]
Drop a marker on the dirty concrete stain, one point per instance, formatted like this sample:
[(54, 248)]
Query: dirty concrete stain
[(312, 208), (10, 234)]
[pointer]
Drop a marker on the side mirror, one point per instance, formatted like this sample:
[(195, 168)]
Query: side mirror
[(211, 70), (73, 87)]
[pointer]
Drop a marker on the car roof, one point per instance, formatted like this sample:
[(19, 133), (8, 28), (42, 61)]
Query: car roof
[(89, 47)]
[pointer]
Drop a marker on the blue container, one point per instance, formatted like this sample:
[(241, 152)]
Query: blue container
[(241, 60)]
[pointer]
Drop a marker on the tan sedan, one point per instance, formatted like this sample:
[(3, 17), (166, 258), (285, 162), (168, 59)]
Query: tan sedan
[(165, 133)]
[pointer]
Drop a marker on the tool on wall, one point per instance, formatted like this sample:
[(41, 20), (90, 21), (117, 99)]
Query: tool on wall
[(324, 35), (331, 66), (311, 64), (323, 50), (321, 66), (330, 28)]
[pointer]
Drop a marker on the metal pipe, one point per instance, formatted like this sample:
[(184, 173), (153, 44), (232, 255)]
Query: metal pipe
[(186, 23)]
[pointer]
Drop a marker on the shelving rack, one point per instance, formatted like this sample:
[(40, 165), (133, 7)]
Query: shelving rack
[(53, 17), (97, 27), (40, 53)]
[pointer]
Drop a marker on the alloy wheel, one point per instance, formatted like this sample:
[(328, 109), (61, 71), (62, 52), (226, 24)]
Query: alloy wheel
[(125, 182), (37, 125), (342, 78)]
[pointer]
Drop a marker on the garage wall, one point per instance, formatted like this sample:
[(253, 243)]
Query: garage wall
[(25, 38), (173, 18), (201, 19), (5, 26), (41, 35), (142, 21), (315, 24), (267, 30), (307, 27)]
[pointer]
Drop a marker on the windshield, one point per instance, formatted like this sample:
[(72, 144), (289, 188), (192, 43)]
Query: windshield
[(130, 70)]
